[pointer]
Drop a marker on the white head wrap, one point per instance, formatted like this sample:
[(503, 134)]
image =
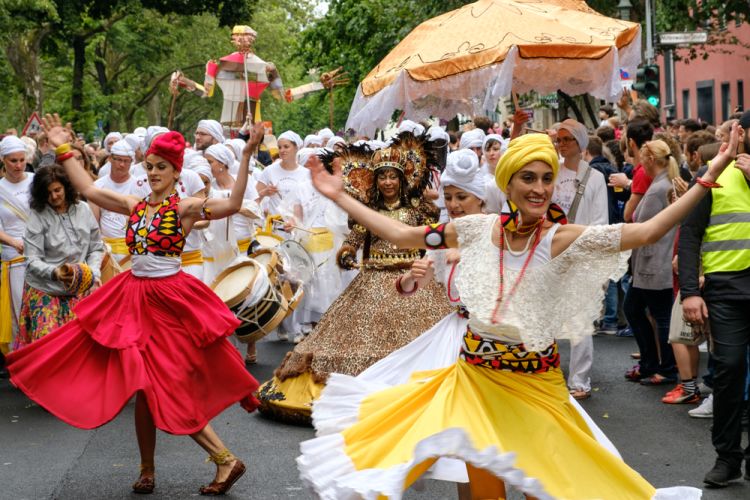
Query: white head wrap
[(304, 154), (335, 140), (123, 148), (577, 130), (410, 126), (198, 164), (213, 128), (221, 153), (11, 144), (111, 135), (325, 134), (140, 132), (473, 138), (375, 144), (312, 140), (437, 133), (30, 147), (134, 141), (292, 137), (462, 171), (237, 146), (151, 133)]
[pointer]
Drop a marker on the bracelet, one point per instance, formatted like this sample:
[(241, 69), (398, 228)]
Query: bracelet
[(66, 156), (400, 289), (62, 149), (434, 237), (706, 184)]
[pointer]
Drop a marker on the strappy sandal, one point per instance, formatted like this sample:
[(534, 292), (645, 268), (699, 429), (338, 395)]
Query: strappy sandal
[(251, 359), (146, 482)]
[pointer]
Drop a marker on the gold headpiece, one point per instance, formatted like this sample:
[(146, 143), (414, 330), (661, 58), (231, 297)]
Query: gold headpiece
[(390, 157)]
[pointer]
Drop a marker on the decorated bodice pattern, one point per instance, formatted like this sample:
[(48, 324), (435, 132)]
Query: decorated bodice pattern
[(162, 235)]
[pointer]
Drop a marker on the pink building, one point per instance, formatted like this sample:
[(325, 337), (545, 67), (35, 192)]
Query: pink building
[(711, 89)]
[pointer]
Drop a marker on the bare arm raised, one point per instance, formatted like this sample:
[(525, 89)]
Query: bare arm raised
[(398, 233), (104, 198)]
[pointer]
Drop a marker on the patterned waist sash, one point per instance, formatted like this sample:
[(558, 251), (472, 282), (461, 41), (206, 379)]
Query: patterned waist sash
[(489, 353)]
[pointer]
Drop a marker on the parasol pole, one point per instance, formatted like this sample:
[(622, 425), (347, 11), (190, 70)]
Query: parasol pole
[(247, 85), (330, 107), (171, 110)]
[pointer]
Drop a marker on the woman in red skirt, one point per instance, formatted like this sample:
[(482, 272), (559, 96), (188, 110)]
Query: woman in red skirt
[(155, 331)]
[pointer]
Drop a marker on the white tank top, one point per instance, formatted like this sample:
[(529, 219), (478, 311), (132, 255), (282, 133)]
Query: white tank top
[(542, 255)]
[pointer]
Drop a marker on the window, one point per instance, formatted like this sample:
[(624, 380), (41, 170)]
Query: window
[(686, 103), (726, 101), (704, 96), (740, 95)]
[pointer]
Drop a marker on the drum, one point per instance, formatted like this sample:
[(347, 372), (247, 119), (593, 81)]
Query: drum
[(109, 268), (247, 291), (268, 239), (271, 261), (298, 264)]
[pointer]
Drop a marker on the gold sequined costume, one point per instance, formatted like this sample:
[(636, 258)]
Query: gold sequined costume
[(367, 322)]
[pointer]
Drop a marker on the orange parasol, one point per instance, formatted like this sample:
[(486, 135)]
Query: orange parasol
[(466, 59)]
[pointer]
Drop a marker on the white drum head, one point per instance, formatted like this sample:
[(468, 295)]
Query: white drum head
[(298, 264), (267, 241), (234, 283)]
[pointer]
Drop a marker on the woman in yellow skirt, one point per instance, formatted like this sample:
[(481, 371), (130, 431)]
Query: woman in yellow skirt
[(503, 407)]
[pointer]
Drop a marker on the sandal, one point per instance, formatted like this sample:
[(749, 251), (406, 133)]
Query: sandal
[(222, 488), (657, 379), (251, 359), (580, 394), (146, 483)]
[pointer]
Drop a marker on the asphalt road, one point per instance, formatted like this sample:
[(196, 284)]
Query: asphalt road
[(40, 457)]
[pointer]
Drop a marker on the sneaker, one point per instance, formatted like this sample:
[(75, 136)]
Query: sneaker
[(624, 332), (600, 327), (657, 379), (721, 474), (678, 395), (299, 338), (282, 335), (705, 410)]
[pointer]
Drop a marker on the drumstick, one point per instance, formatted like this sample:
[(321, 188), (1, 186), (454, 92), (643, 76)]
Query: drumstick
[(281, 223)]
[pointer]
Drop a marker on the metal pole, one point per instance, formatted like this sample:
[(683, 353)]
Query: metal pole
[(649, 33), (247, 92)]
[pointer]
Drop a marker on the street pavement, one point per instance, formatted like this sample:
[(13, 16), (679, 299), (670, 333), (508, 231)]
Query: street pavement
[(40, 457)]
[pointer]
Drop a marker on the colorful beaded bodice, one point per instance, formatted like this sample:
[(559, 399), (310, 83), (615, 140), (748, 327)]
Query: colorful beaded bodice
[(162, 235)]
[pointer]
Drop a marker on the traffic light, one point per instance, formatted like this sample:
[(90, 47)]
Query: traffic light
[(647, 83)]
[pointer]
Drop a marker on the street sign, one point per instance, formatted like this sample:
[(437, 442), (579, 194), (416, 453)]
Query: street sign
[(685, 38), (33, 125)]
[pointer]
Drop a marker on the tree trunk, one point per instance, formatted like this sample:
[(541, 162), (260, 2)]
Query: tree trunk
[(22, 52), (79, 62)]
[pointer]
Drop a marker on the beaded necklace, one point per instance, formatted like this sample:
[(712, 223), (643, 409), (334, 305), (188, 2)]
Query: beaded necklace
[(495, 317)]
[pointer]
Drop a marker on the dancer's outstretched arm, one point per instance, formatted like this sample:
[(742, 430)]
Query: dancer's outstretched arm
[(398, 233)]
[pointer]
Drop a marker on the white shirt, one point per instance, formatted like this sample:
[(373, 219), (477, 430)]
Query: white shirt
[(10, 222), (244, 227), (593, 208), (286, 181), (113, 224)]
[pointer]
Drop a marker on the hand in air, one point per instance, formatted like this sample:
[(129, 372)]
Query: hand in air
[(743, 163), (726, 154), (257, 132), (329, 185), (520, 117), (56, 133)]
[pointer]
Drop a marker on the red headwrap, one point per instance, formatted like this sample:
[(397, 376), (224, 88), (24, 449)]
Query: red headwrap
[(171, 147)]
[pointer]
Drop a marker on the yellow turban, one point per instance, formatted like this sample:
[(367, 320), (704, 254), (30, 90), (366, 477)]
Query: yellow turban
[(522, 151)]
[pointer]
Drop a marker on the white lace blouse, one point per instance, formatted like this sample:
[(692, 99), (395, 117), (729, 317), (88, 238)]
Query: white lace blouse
[(557, 298)]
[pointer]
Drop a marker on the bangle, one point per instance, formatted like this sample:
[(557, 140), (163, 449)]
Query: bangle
[(62, 149), (400, 289), (66, 156), (706, 184)]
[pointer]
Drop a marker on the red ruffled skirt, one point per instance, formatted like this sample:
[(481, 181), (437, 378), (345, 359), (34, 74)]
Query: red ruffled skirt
[(163, 336)]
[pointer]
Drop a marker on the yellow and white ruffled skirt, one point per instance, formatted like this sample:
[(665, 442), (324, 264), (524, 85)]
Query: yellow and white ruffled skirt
[(513, 427)]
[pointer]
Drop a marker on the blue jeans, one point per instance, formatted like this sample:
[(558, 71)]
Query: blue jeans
[(615, 291)]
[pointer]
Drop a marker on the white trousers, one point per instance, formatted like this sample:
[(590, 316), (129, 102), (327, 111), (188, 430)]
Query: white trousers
[(581, 359)]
